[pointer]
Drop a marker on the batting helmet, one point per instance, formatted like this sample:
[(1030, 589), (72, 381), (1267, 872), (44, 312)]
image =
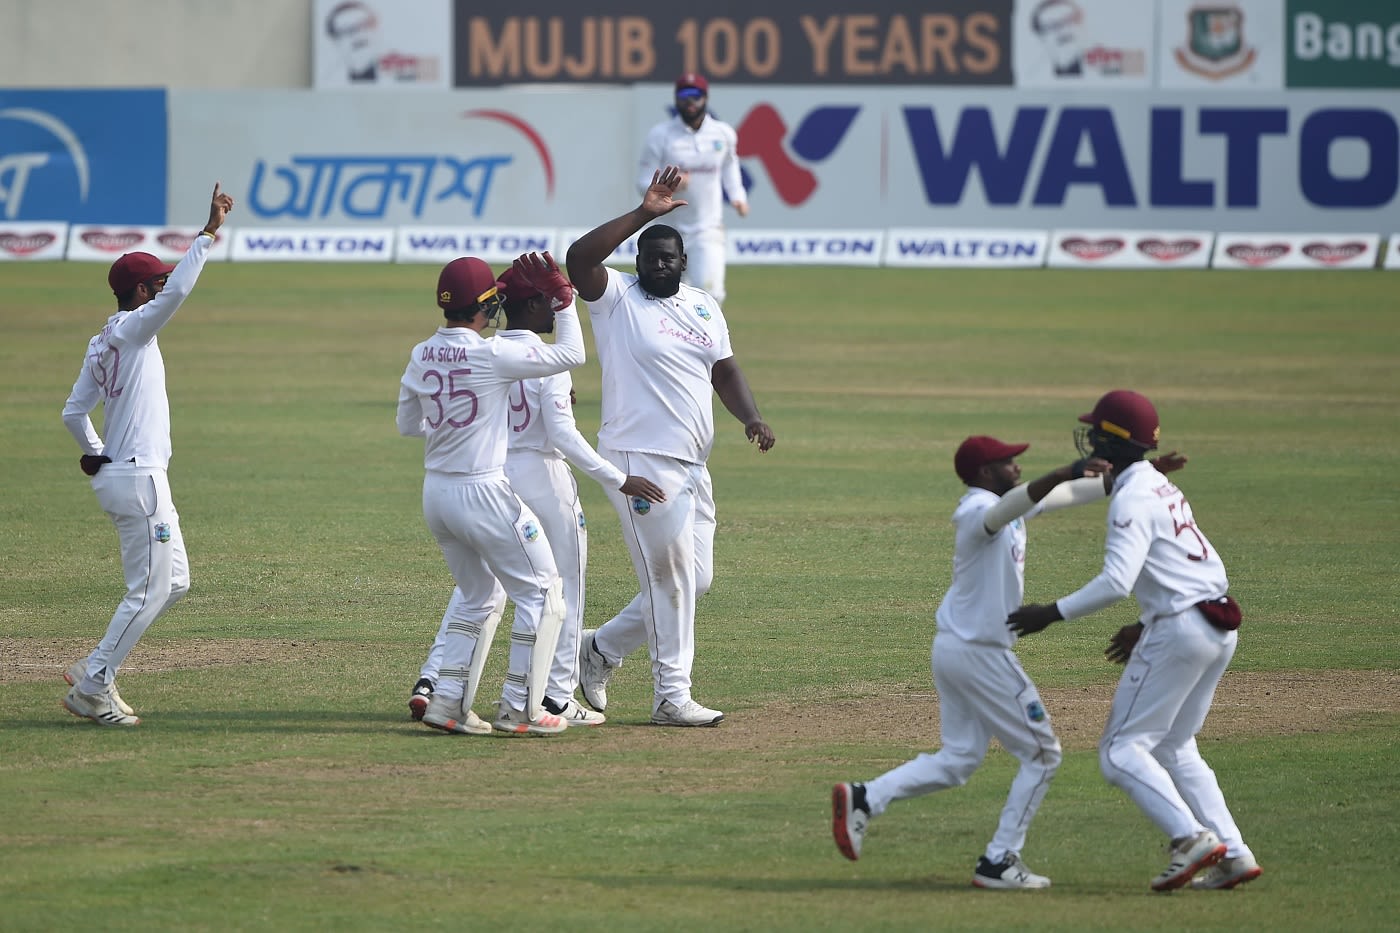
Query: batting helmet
[(1125, 415)]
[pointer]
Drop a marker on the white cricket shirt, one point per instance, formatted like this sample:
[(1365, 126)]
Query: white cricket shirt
[(710, 158), (989, 573), (124, 372), (656, 355), (1153, 550), (542, 420), (456, 391)]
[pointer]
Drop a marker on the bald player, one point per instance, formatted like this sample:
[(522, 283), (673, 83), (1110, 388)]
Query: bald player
[(543, 440), (124, 372), (706, 150), (983, 692), (455, 392), (664, 350), (1175, 655)]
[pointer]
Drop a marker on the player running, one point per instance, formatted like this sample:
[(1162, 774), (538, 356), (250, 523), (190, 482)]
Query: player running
[(983, 692)]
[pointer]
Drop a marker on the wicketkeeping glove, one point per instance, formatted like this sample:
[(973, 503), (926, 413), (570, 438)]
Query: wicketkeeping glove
[(91, 463), (543, 275)]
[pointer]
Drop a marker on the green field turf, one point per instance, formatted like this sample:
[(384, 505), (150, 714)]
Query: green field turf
[(276, 782)]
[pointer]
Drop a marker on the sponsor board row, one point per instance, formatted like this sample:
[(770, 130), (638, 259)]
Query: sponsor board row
[(899, 247), (1025, 43)]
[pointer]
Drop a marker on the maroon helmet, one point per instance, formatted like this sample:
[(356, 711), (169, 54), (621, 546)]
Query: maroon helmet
[(1122, 426)]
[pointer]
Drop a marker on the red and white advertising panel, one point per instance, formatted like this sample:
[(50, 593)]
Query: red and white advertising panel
[(1130, 249), (32, 240), (106, 242), (1295, 251)]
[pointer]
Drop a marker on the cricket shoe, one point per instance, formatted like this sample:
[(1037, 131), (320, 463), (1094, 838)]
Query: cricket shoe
[(688, 713), (99, 708), (594, 672), (850, 815), (1227, 873), (1189, 855), (419, 699), (449, 716), (574, 714), (1009, 874), (518, 722), (74, 675)]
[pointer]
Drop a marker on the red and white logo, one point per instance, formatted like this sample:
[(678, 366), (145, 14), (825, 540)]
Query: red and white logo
[(25, 244), (1168, 250), (175, 241), (112, 241), (1252, 255), (1091, 250), (1332, 254)]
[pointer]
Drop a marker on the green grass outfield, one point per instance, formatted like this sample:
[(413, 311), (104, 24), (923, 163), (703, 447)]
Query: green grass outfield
[(276, 782)]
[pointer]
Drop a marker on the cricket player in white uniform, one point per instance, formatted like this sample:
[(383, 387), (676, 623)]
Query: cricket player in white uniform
[(543, 435), (1175, 655), (456, 392), (663, 347), (706, 149), (124, 372), (983, 692)]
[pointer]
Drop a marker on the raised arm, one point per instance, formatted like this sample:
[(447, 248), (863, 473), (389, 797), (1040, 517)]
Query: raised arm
[(589, 252)]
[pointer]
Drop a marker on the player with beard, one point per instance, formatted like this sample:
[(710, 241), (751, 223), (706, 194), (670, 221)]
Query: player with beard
[(663, 347), (706, 150)]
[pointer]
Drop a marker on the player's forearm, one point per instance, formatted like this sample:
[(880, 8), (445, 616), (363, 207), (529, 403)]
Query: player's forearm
[(138, 327), (80, 426), (594, 247), (1099, 593), (409, 416), (1072, 492), (732, 387)]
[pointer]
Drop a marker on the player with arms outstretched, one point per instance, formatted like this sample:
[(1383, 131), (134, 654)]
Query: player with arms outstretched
[(1175, 655)]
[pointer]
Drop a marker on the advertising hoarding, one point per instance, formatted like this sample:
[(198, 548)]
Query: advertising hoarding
[(1074, 43), (865, 42), (381, 44), (814, 158), (1353, 44), (83, 156)]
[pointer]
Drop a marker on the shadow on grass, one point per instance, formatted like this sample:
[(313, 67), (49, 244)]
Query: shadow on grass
[(785, 885)]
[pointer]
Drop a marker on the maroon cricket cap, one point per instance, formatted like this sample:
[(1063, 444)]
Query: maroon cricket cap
[(133, 269), (464, 282), (692, 80), (976, 452), (513, 286)]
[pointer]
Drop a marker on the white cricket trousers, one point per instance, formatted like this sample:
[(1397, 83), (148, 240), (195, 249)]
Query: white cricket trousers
[(547, 486), (157, 569), (983, 693), (487, 534), (705, 261), (1149, 742), (672, 545)]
